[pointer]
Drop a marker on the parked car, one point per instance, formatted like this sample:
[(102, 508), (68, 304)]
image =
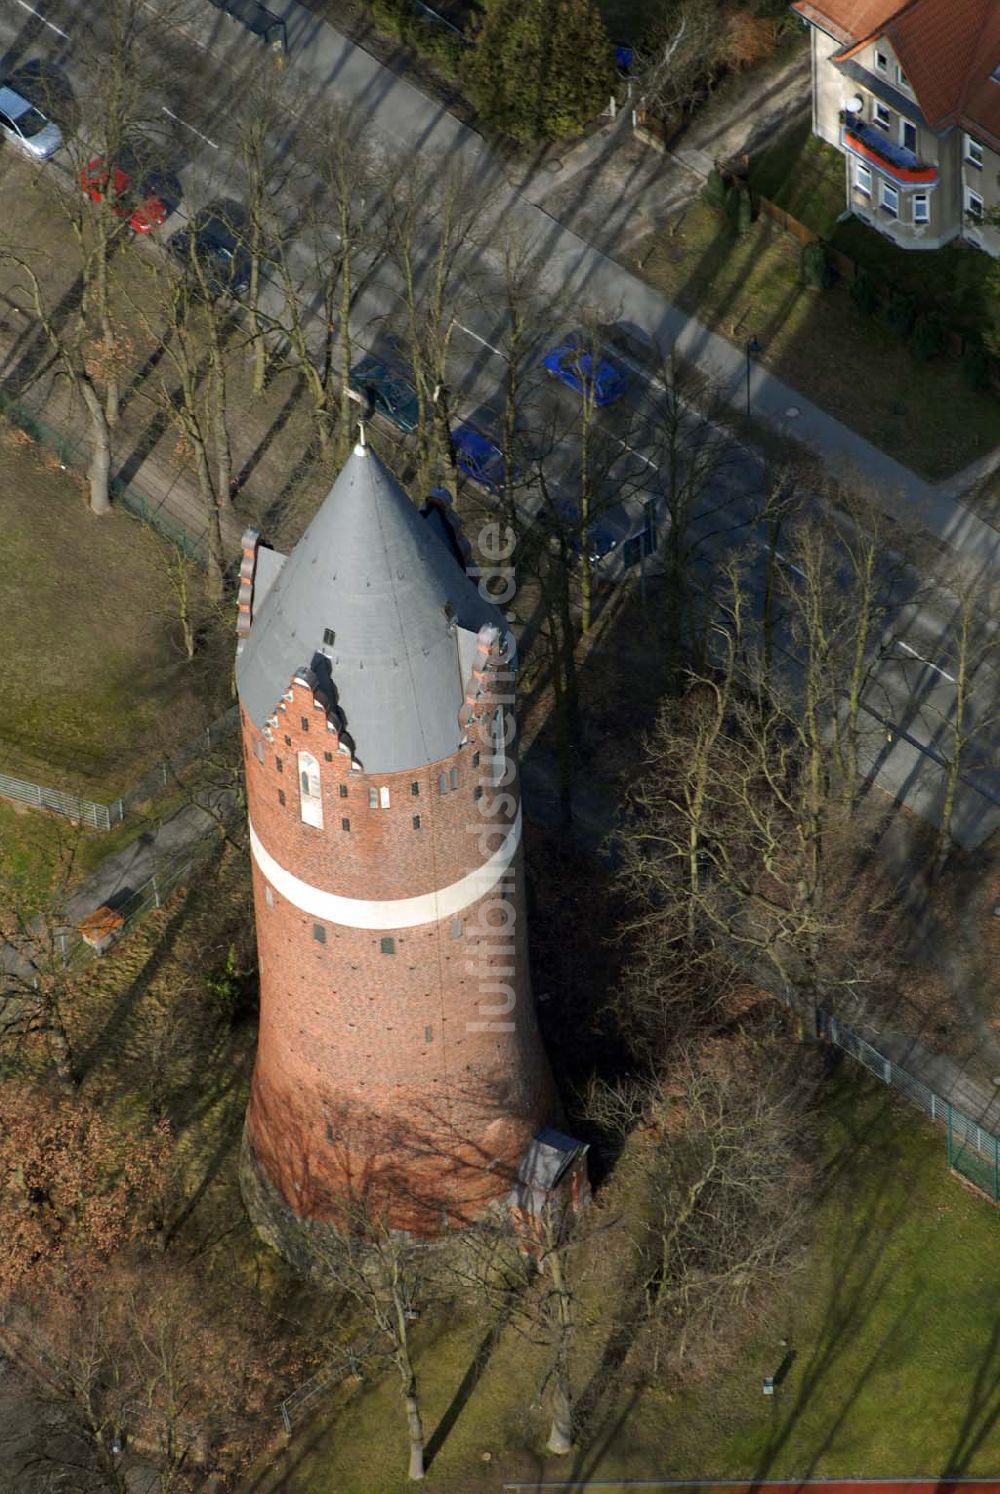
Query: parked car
[(214, 237), (26, 126), (387, 392), (481, 459), (145, 197), (604, 535), (574, 363)]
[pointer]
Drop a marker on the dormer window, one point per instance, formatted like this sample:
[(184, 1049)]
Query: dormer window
[(881, 62), (901, 77)]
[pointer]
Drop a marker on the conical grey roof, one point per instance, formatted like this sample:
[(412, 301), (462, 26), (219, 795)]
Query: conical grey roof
[(371, 571)]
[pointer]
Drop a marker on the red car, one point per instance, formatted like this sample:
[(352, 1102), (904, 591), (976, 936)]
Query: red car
[(143, 197)]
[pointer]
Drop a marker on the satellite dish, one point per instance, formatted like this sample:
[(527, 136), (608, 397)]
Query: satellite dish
[(854, 104)]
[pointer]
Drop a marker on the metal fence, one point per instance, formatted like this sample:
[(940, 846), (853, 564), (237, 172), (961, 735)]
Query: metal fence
[(972, 1151), (346, 1363), (105, 816)]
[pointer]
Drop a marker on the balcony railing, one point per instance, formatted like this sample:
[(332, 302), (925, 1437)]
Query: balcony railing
[(873, 145)]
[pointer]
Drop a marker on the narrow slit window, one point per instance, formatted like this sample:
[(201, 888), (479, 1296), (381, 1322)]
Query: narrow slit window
[(416, 822), (373, 798), (414, 789), (269, 895), (456, 928), (319, 933), (343, 790), (345, 824), (442, 784), (383, 797), (388, 946), (281, 796), (258, 750), (305, 723), (454, 778)]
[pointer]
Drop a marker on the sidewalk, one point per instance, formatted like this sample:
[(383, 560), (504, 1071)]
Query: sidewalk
[(404, 118)]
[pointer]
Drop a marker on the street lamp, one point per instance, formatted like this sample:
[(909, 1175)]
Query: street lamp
[(753, 348)]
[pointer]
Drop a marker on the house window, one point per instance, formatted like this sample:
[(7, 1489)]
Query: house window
[(881, 62), (908, 135), (882, 116), (921, 208), (319, 933), (889, 199), (310, 791), (974, 206), (973, 153), (901, 78), (388, 946)]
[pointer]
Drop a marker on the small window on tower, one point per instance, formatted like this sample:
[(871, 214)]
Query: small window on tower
[(388, 946), (319, 933), (345, 824), (343, 790), (258, 750), (373, 798), (456, 928), (477, 792), (279, 763), (442, 784), (288, 741), (475, 759), (281, 796), (383, 797), (328, 637), (416, 822), (268, 895), (428, 1034), (454, 778), (310, 791), (305, 723), (414, 789), (328, 757)]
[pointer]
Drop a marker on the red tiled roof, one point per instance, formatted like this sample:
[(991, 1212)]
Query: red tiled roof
[(849, 20), (946, 48)]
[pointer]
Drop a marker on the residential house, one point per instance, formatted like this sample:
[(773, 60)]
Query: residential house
[(909, 92)]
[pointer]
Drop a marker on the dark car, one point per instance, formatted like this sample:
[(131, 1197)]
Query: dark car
[(602, 534), (146, 197), (597, 377), (481, 459), (211, 249), (388, 393)]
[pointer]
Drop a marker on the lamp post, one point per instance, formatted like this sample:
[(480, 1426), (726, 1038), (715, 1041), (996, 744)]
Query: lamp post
[(753, 347)]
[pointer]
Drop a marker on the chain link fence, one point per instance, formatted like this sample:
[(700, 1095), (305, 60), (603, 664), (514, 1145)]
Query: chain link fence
[(972, 1151)]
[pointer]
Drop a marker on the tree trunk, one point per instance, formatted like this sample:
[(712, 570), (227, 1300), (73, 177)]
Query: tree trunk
[(416, 1429), (561, 1431), (100, 450)]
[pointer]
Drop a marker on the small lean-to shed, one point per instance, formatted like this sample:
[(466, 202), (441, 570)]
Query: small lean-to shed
[(552, 1178)]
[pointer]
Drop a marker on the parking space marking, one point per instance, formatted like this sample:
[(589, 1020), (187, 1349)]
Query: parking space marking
[(50, 24), (187, 126), (930, 664)]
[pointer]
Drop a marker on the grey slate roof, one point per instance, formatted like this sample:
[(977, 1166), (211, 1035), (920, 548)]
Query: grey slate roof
[(376, 573)]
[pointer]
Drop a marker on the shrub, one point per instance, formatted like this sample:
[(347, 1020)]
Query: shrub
[(900, 315), (976, 366), (863, 293), (817, 272), (714, 191), (928, 337)]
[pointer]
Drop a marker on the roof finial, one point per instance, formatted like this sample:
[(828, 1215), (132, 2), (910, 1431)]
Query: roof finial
[(361, 449)]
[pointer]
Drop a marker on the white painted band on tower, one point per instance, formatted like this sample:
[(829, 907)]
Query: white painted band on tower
[(390, 913)]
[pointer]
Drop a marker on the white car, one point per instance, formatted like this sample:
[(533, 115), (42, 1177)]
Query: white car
[(27, 126)]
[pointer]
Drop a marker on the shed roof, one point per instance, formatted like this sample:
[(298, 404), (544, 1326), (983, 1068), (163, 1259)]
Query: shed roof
[(373, 573)]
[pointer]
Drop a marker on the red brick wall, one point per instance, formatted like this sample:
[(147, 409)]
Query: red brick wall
[(370, 1072)]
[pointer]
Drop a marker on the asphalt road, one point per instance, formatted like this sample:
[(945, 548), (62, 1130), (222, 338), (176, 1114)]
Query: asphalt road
[(197, 73)]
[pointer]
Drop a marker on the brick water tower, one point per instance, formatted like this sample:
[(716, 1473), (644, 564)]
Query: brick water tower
[(399, 1068)]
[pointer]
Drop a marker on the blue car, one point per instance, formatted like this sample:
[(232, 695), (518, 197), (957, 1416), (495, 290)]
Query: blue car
[(604, 383), (601, 534), (481, 459)]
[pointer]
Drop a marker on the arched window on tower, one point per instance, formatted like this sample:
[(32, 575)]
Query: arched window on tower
[(310, 794)]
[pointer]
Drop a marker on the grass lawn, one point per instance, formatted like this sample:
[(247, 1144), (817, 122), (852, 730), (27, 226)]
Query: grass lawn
[(805, 176), (96, 689), (891, 1312), (922, 414)]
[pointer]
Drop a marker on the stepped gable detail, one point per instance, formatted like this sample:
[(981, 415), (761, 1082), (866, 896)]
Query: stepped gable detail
[(399, 1058)]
